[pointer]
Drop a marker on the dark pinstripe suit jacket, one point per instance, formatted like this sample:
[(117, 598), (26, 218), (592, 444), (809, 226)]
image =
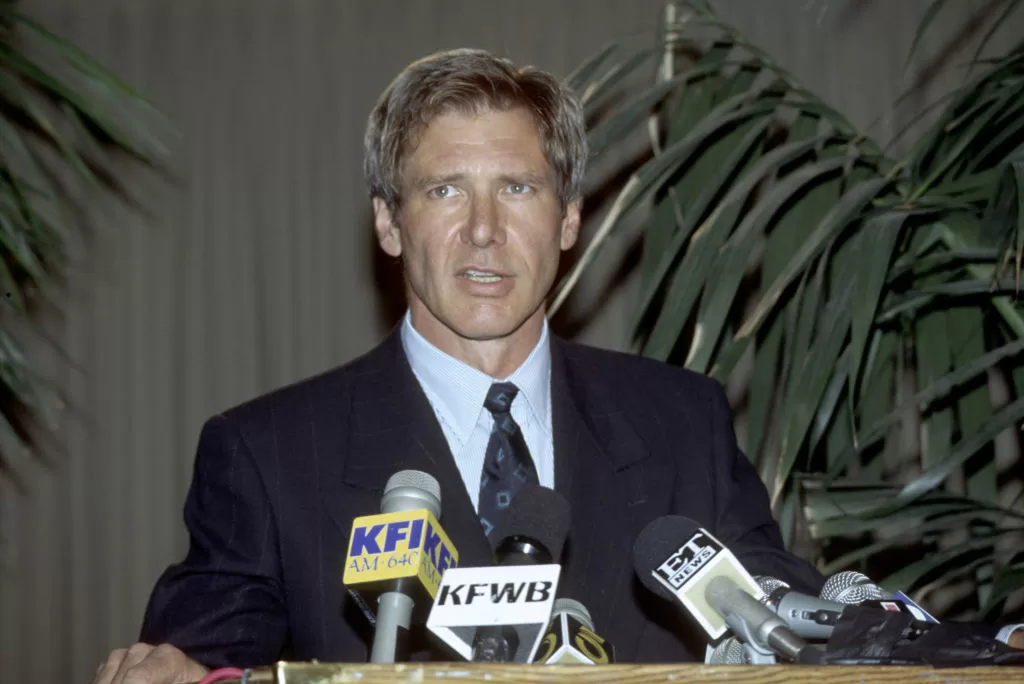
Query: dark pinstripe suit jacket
[(279, 479)]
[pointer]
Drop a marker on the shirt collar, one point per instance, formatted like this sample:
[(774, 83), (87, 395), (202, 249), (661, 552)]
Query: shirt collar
[(460, 389)]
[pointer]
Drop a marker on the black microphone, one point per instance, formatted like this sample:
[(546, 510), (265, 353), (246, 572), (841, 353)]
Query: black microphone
[(684, 564), (533, 533)]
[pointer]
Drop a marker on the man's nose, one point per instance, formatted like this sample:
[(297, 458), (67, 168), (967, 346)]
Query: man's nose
[(484, 226)]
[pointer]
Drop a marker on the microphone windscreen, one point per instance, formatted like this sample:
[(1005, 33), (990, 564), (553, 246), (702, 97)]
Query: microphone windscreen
[(769, 584), (574, 608), (850, 586), (539, 513), (728, 652), (410, 490), (656, 542)]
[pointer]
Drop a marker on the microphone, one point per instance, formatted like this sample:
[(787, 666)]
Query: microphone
[(850, 586), (570, 638), (681, 562), (809, 617), (398, 556), (732, 651), (533, 533)]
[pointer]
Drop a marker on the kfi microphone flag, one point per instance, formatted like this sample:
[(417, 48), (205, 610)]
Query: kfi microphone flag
[(390, 546)]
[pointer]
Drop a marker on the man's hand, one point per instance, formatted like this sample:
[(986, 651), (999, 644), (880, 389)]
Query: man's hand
[(1016, 639), (145, 664)]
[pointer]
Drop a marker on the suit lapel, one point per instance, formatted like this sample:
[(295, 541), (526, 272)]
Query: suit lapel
[(392, 427)]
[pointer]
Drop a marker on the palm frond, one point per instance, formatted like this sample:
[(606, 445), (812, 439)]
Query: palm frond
[(870, 270), (63, 116)]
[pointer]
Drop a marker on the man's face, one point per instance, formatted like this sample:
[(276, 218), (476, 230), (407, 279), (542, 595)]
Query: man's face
[(480, 227)]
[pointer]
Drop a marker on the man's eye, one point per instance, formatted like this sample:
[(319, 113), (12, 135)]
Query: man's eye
[(519, 188), (442, 192)]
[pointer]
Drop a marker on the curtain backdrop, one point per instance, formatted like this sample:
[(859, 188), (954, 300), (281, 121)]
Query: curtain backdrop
[(256, 264)]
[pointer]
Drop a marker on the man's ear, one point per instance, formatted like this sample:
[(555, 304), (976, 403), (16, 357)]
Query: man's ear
[(386, 228), (571, 225)]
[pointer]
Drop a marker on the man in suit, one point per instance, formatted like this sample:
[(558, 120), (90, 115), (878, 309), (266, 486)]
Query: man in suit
[(474, 168)]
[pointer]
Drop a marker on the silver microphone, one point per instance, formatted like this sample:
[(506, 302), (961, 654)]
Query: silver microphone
[(406, 490), (850, 586)]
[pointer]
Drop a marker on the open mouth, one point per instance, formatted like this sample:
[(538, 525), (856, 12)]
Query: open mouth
[(481, 276)]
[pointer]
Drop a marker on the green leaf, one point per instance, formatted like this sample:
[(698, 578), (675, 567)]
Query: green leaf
[(943, 523), (581, 76), (805, 320), (16, 376), (1009, 416), (652, 176), (840, 216), (915, 266), (712, 189), (83, 62), (1009, 582), (591, 96), (22, 99), (958, 555), (13, 238), (812, 375), (875, 253), (941, 388), (1016, 170), (934, 359), (789, 232), (830, 400), (15, 457), (922, 28), (627, 117), (961, 144), (959, 233), (49, 84), (1011, 7), (731, 262), (967, 340), (1005, 129), (897, 518), (909, 304), (9, 289), (672, 215)]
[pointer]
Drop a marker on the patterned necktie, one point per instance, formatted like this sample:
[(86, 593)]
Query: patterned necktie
[(507, 462)]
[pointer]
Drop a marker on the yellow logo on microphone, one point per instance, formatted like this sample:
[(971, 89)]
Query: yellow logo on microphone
[(389, 546)]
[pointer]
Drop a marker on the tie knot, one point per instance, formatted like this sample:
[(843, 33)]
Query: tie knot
[(500, 396)]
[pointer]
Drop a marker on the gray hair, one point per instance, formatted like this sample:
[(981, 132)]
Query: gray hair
[(471, 82)]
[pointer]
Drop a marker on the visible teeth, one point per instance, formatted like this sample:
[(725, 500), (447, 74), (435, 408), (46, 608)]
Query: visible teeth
[(482, 277)]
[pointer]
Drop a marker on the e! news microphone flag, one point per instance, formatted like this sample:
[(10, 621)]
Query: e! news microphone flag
[(687, 569)]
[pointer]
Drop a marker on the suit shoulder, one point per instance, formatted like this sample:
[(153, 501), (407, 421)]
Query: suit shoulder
[(627, 369)]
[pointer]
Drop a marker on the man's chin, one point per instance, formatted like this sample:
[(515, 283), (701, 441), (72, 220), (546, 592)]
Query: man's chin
[(485, 333), (489, 329)]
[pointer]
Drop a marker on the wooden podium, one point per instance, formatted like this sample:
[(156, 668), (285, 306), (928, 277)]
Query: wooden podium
[(469, 673)]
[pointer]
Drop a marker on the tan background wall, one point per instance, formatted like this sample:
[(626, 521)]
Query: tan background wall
[(259, 267)]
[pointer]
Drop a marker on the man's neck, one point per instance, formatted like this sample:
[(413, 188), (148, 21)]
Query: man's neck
[(498, 358)]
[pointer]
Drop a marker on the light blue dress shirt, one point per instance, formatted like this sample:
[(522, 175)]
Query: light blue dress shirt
[(456, 392)]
